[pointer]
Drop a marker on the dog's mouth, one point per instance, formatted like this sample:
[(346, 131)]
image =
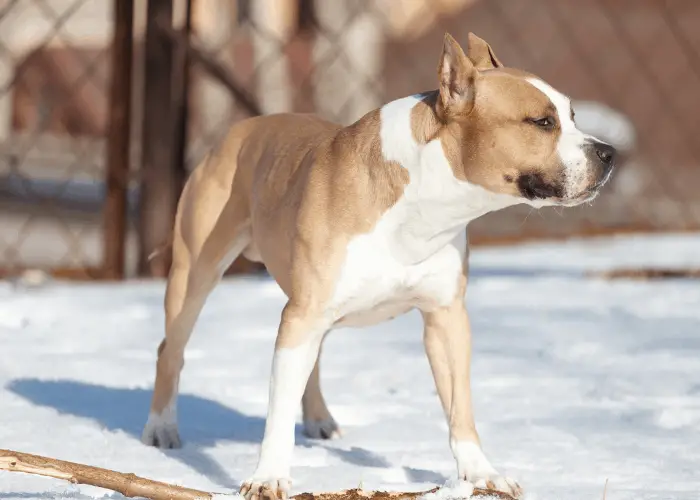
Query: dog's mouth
[(533, 186), (591, 192), (586, 196)]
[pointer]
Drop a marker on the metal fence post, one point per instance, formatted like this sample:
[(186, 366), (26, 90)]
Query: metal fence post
[(158, 191), (181, 86), (118, 142)]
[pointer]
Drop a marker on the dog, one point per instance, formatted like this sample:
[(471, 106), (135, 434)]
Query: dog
[(361, 223)]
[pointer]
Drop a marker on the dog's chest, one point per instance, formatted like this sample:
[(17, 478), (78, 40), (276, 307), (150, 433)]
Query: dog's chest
[(376, 283)]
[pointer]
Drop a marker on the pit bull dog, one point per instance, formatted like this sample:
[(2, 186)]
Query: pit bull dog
[(361, 223)]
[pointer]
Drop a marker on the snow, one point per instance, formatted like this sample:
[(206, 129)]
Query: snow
[(576, 380), (453, 488)]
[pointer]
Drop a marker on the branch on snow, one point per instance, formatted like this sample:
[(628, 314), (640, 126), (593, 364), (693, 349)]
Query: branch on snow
[(131, 485)]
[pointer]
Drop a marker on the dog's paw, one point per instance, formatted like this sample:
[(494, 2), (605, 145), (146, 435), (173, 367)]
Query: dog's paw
[(161, 434), (322, 429), (499, 483), (473, 466), (266, 489)]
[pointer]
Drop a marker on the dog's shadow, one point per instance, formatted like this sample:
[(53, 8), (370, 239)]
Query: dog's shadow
[(203, 422)]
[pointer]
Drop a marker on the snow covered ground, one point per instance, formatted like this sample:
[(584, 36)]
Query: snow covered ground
[(576, 380)]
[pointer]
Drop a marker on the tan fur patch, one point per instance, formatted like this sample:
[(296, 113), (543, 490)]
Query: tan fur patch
[(447, 339), (425, 124), (303, 171), (499, 144)]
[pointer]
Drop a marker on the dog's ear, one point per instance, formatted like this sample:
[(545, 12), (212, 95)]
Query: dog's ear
[(456, 74), (481, 54)]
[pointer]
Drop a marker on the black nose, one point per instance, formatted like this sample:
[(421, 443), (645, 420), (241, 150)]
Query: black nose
[(605, 152)]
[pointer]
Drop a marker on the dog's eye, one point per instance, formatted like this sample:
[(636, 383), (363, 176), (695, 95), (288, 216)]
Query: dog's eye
[(547, 123)]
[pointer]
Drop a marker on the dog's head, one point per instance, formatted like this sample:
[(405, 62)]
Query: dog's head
[(511, 133)]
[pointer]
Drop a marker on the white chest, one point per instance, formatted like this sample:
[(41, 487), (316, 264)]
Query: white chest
[(415, 254), (376, 285)]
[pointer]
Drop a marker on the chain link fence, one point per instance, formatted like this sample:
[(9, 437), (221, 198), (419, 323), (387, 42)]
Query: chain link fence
[(632, 67), (52, 128)]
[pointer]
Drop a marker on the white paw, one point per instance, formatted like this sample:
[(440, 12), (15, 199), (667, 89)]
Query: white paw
[(258, 488), (161, 433), (322, 429), (499, 483), (473, 466)]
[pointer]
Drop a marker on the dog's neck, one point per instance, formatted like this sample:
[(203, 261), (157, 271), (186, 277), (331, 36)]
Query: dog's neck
[(435, 206)]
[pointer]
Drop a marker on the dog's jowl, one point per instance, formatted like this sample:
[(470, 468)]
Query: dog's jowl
[(362, 223)]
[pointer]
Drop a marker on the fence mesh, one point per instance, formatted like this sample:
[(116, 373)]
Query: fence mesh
[(632, 67), (53, 109)]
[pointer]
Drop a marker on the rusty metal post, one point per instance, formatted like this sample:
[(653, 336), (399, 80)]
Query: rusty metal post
[(118, 143), (181, 87), (158, 191)]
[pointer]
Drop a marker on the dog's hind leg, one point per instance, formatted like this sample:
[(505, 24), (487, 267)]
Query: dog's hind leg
[(318, 421), (211, 230)]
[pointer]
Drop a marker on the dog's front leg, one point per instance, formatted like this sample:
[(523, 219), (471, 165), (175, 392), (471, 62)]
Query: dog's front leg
[(447, 340), (299, 338)]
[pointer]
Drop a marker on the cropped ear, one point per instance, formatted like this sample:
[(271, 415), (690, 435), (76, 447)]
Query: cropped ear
[(456, 74), (481, 54)]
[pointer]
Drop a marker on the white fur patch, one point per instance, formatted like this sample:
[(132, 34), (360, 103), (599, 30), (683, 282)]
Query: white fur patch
[(472, 464), (291, 368), (161, 428), (571, 140), (435, 206), (414, 255), (474, 467)]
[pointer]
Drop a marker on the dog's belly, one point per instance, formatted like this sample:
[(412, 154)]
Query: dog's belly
[(374, 286), (381, 312)]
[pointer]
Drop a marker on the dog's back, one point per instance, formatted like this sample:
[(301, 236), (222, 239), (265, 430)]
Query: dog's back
[(265, 148)]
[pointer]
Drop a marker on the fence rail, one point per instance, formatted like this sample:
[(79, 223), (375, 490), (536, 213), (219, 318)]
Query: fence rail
[(106, 106)]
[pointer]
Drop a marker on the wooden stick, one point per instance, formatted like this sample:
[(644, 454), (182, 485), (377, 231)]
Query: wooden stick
[(131, 485)]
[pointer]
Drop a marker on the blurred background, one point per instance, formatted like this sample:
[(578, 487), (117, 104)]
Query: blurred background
[(105, 106)]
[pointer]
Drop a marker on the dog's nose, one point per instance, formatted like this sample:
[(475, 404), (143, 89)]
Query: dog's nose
[(605, 152)]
